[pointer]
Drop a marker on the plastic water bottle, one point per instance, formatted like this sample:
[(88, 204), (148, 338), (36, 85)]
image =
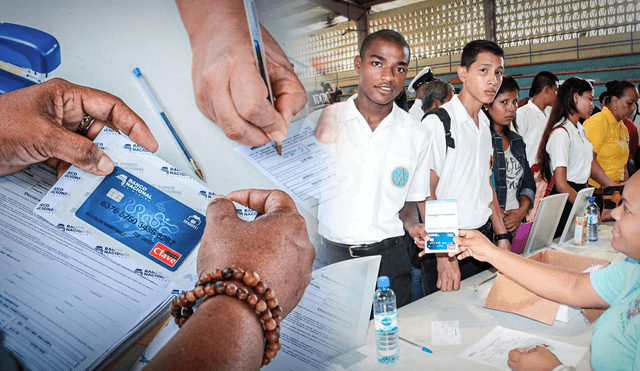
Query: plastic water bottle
[(385, 316), (592, 220)]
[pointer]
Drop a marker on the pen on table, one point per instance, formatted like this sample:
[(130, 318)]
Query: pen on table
[(422, 348), (258, 51), (154, 100), (477, 285)]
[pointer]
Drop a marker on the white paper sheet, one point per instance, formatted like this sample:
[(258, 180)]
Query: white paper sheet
[(332, 317), (62, 304), (445, 333), (305, 170), (493, 349)]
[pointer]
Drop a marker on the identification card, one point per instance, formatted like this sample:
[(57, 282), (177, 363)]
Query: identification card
[(143, 218), (441, 222)]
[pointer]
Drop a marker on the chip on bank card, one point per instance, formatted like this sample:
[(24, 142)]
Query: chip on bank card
[(143, 218)]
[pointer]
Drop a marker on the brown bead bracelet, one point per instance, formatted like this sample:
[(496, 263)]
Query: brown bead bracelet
[(257, 296)]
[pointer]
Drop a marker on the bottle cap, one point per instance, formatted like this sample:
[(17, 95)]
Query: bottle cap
[(592, 199), (383, 282)]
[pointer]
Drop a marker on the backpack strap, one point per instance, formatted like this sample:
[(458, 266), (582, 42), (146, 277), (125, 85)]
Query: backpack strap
[(561, 126), (444, 117)]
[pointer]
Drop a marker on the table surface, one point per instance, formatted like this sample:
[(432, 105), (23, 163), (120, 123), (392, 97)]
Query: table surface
[(466, 306)]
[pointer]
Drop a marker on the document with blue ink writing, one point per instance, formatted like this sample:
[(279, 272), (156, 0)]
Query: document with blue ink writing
[(306, 170)]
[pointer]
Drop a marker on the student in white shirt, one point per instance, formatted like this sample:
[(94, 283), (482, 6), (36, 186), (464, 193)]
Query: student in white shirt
[(532, 117), (436, 93), (565, 152), (382, 163), (463, 173)]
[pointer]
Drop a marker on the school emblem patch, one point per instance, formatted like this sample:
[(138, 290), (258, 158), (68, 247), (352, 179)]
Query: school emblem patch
[(400, 176), (634, 309)]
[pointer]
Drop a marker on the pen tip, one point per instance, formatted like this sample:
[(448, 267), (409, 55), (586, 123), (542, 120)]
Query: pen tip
[(195, 168), (279, 148)]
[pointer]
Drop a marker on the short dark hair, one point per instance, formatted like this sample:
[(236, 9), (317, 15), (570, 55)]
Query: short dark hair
[(475, 47), (436, 89), (385, 35), (542, 79), (615, 88)]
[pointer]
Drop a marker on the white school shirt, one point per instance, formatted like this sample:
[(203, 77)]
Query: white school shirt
[(378, 171), (464, 171), (416, 109), (573, 151), (531, 124)]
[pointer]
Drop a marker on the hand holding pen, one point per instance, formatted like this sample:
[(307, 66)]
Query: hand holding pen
[(228, 85), (534, 358)]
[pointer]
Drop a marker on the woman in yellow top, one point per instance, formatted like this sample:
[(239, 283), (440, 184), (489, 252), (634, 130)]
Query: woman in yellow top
[(608, 134)]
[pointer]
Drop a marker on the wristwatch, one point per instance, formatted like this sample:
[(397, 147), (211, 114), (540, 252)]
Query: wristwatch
[(503, 236)]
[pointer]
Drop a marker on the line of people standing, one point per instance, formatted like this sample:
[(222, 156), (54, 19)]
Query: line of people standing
[(387, 159), (390, 164)]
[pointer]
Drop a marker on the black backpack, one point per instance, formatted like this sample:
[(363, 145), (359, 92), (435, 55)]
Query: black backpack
[(443, 115), (446, 122)]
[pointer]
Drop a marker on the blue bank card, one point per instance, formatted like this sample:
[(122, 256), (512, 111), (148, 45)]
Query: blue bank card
[(441, 241), (143, 218)]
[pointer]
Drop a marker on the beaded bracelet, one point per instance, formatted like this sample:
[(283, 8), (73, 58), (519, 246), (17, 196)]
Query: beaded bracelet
[(258, 297)]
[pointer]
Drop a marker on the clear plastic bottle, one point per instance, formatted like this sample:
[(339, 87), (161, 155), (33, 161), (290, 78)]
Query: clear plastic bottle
[(592, 220), (385, 316)]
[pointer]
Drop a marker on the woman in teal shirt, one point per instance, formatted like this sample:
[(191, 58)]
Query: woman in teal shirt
[(616, 338)]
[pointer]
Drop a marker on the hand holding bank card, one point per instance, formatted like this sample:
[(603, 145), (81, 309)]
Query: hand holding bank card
[(441, 223), (147, 209), (143, 218)]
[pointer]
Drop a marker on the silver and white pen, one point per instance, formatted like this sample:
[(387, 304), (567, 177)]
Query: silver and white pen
[(258, 51), (421, 347)]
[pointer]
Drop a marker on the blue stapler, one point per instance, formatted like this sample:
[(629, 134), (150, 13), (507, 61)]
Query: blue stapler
[(27, 56)]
